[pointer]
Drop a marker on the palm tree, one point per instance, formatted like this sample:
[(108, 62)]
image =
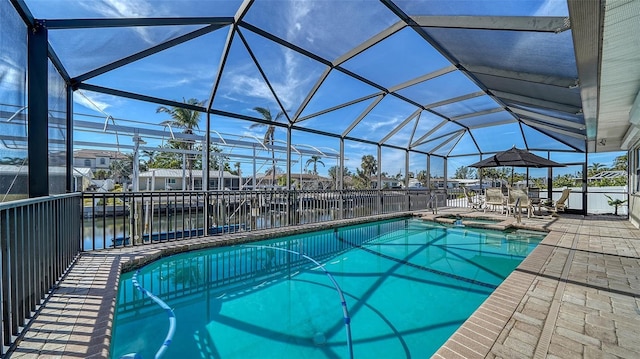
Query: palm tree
[(122, 167), (187, 120), (314, 160), (333, 173), (269, 134), (595, 168), (369, 167), (615, 202), (150, 155), (423, 177), (620, 163), (464, 172)]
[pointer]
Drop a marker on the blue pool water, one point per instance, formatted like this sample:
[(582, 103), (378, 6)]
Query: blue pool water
[(407, 286)]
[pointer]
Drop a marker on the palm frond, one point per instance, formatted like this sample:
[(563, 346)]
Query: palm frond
[(265, 112)]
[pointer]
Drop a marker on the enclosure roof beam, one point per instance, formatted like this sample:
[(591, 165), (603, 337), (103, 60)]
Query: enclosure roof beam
[(57, 24), (553, 24)]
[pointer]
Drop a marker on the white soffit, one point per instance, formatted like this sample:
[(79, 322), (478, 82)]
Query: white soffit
[(620, 70)]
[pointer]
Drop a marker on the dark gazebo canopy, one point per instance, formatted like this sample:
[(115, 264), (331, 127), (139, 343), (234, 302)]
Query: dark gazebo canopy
[(515, 157)]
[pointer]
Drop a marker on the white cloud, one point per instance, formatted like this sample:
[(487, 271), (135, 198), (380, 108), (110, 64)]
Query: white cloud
[(163, 75), (11, 73), (242, 83), (552, 8), (252, 86), (129, 8), (393, 121), (123, 8), (92, 101), (298, 11), (289, 76)]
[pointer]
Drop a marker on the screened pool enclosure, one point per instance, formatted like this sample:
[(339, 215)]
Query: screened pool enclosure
[(423, 87), (130, 122)]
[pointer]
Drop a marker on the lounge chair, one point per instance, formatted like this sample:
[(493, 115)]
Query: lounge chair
[(559, 205), (493, 198), (516, 195), (472, 200)]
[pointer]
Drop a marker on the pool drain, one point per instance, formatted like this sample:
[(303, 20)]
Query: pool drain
[(319, 339)]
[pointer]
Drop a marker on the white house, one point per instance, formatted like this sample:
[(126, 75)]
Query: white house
[(161, 179), (95, 159), (13, 179)]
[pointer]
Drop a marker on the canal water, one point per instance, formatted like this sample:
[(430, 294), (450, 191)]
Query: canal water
[(100, 232)]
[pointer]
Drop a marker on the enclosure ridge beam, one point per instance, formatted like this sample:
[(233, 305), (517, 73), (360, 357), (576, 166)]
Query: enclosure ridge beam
[(401, 125), (221, 65), (313, 56), (541, 129), (551, 127), (456, 99), (264, 76), (553, 24), (55, 60), (565, 82), (139, 97), (453, 136), (311, 94), (448, 134), (372, 41), (550, 119), (495, 123), (60, 24), (478, 113), (247, 118), (446, 54), (433, 130), (363, 115), (423, 78), (527, 100), (337, 107), (242, 10), (23, 10), (455, 144)]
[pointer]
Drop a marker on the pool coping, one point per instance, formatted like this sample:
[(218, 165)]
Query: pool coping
[(566, 299), (76, 320)]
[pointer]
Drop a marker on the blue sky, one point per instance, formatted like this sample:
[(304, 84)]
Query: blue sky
[(188, 70)]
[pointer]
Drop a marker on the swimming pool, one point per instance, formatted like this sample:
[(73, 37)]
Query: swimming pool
[(391, 289)]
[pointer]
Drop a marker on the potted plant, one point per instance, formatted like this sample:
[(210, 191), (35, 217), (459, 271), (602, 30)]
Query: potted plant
[(615, 202)]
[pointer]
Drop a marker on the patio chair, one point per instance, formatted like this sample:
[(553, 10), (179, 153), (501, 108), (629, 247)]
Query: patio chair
[(472, 200), (534, 196), (494, 198), (559, 205), (516, 194)]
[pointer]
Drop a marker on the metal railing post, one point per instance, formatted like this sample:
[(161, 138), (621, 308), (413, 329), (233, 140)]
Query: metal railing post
[(206, 210)]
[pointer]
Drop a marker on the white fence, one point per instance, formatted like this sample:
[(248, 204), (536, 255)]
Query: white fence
[(597, 202)]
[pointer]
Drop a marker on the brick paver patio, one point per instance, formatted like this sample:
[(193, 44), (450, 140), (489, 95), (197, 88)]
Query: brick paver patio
[(577, 295)]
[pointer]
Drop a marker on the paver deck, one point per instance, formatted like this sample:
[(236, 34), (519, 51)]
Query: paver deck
[(576, 295)]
